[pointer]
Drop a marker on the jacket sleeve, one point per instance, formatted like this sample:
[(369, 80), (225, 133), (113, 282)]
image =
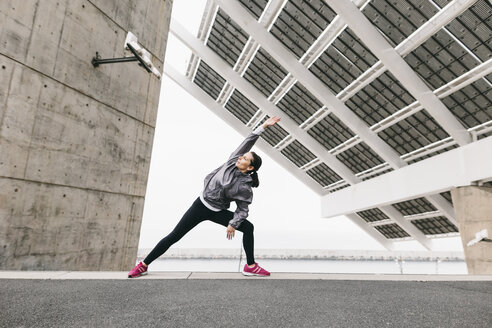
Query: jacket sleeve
[(248, 143), (240, 214)]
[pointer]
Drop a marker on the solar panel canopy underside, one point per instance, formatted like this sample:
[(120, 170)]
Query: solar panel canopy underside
[(458, 47)]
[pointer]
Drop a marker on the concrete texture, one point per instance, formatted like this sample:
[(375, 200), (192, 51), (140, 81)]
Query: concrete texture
[(473, 207), (75, 140), (244, 303)]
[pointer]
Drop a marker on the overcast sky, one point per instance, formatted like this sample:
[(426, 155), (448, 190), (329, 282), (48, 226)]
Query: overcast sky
[(190, 141)]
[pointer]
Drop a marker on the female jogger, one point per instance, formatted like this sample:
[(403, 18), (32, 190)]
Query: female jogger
[(231, 182)]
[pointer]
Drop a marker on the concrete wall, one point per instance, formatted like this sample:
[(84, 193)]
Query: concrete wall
[(473, 207), (75, 141)]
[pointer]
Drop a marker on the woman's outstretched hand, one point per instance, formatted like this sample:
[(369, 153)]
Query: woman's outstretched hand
[(271, 121), (230, 232)]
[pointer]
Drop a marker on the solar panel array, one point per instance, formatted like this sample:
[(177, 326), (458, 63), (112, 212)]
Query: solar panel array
[(456, 48)]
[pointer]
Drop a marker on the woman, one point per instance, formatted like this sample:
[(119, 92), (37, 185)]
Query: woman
[(230, 182)]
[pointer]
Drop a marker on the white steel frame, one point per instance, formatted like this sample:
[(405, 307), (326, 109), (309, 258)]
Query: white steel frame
[(299, 72)]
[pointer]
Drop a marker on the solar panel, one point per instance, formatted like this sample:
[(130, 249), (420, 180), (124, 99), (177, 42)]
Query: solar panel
[(440, 59), (414, 206), (255, 7), (392, 231), (473, 29), (330, 132), (354, 50), (226, 38), (442, 3), (299, 104), (300, 23), (209, 80), (398, 19), (373, 215), (360, 158), (472, 105), (447, 195), (414, 132), (241, 107), (298, 154), (435, 226), (265, 73), (323, 175), (334, 70), (381, 98)]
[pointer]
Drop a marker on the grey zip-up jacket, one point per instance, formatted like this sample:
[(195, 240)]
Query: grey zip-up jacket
[(226, 184)]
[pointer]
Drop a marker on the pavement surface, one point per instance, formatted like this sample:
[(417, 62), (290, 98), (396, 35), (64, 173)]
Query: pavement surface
[(178, 300)]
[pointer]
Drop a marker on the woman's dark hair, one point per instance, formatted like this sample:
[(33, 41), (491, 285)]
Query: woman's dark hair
[(256, 163)]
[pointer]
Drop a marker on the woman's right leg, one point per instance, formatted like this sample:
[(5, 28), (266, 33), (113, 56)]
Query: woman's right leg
[(195, 214)]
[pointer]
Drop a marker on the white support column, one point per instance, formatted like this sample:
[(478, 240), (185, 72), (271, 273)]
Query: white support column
[(412, 230), (456, 167), (308, 80), (388, 244), (371, 37), (221, 67), (232, 121)]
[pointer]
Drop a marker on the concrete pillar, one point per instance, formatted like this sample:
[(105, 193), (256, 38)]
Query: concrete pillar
[(473, 207), (75, 141)]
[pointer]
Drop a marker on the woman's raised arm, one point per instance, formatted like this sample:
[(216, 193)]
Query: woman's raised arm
[(250, 140)]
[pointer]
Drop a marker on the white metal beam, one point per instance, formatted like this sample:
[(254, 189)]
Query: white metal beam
[(456, 167), (232, 121), (235, 79), (388, 244), (380, 47), (308, 80), (208, 18)]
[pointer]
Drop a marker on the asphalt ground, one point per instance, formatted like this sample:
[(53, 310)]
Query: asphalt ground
[(244, 303)]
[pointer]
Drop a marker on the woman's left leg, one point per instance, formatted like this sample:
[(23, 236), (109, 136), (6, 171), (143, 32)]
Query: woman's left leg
[(246, 227)]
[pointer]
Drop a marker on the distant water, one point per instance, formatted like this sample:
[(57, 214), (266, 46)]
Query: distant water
[(314, 266)]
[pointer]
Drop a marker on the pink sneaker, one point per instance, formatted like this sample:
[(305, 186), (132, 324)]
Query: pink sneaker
[(138, 271), (256, 270)]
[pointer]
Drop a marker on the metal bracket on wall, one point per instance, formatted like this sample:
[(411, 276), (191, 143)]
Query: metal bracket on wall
[(96, 61)]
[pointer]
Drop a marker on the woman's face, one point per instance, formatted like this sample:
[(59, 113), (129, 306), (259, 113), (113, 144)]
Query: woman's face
[(244, 162)]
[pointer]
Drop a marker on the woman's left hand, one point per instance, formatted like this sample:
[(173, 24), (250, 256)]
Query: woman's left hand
[(271, 121), (230, 232)]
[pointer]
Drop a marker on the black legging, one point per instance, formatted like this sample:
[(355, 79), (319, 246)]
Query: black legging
[(196, 214)]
